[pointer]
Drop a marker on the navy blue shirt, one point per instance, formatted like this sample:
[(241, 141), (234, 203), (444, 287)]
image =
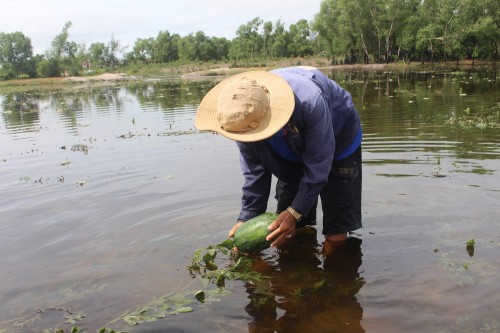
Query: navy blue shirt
[(324, 127)]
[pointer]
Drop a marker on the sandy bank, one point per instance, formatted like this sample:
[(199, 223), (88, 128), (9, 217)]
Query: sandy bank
[(98, 78)]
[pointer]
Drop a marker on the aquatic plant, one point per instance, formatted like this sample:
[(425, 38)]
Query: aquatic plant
[(472, 119), (203, 264), (469, 246), (450, 264), (169, 305), (80, 147)]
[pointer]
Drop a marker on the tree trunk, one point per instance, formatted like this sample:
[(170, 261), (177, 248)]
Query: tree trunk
[(432, 54), (365, 48), (388, 45), (397, 56)]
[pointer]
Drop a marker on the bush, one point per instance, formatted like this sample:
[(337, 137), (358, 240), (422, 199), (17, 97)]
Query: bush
[(48, 68), (6, 73)]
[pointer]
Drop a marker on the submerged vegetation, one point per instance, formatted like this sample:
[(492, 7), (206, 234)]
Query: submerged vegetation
[(470, 119), (203, 265)]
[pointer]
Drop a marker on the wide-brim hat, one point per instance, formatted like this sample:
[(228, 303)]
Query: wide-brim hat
[(247, 107)]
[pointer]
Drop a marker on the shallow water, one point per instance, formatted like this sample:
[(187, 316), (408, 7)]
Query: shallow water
[(107, 192)]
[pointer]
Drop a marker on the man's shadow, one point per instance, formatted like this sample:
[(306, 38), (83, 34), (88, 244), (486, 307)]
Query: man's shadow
[(307, 291)]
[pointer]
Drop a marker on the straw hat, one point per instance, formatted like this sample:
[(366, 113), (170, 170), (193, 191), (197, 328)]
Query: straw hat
[(246, 107)]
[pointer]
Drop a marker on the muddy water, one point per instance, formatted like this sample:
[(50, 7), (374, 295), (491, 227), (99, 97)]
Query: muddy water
[(106, 192)]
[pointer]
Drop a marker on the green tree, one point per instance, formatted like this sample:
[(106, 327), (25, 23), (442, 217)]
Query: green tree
[(61, 55), (72, 60), (16, 55), (267, 38), (236, 51), (481, 36), (97, 54), (344, 30), (406, 31), (250, 41), (430, 30), (114, 49), (186, 47), (302, 39), (221, 48), (203, 48), (165, 47), (280, 40)]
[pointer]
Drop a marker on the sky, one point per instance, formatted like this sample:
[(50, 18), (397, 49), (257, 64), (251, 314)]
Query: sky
[(128, 20)]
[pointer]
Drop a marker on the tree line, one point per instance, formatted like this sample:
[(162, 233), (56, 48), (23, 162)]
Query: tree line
[(345, 31), (380, 31)]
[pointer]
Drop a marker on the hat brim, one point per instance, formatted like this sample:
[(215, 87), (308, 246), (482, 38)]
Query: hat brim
[(282, 104)]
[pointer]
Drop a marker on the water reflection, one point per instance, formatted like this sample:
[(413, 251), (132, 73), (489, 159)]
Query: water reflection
[(150, 198), (307, 292), (170, 95), (22, 111)]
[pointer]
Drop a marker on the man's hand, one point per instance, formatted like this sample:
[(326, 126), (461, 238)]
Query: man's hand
[(234, 228), (281, 229)]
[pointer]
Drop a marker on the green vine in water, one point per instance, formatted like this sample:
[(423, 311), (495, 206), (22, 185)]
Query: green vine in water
[(203, 264), (471, 119)]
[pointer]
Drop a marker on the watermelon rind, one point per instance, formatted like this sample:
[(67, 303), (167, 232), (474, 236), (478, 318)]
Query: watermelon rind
[(251, 235)]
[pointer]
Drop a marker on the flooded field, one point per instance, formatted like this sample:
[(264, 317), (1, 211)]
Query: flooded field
[(107, 194)]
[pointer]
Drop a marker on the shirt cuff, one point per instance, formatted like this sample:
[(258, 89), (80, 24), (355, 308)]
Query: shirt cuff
[(246, 215)]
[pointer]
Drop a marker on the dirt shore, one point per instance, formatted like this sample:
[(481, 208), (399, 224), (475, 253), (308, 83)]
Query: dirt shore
[(202, 71), (107, 77)]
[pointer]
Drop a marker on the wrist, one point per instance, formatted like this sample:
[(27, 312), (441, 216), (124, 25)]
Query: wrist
[(296, 215)]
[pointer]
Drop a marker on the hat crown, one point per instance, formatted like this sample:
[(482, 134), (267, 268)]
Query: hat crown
[(268, 91), (242, 105)]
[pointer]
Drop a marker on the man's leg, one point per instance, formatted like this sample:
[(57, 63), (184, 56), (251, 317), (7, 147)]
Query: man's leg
[(341, 199)]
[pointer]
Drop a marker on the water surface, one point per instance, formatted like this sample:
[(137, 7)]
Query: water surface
[(107, 192)]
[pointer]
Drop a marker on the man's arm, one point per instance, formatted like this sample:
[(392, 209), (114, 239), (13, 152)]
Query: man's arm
[(257, 185), (317, 156)]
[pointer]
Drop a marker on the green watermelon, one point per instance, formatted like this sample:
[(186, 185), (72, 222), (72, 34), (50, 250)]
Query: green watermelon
[(251, 235)]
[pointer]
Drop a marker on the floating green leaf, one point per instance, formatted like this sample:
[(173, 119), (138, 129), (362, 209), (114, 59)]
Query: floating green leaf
[(79, 147), (185, 309), (470, 247), (200, 296), (138, 317), (72, 318)]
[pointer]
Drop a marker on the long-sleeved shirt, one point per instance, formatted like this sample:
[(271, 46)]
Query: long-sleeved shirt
[(324, 127)]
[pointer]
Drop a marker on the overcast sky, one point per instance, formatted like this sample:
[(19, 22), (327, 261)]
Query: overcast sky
[(128, 20)]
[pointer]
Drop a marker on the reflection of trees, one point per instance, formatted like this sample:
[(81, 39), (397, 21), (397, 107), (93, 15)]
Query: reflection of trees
[(313, 298), (73, 106), (107, 98), (170, 95), (404, 105), (410, 105), (21, 111)]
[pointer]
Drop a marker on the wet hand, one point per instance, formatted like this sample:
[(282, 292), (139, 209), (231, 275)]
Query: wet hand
[(234, 228), (281, 229), (231, 235)]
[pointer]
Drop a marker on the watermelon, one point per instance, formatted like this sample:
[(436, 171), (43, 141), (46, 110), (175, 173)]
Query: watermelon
[(251, 235)]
